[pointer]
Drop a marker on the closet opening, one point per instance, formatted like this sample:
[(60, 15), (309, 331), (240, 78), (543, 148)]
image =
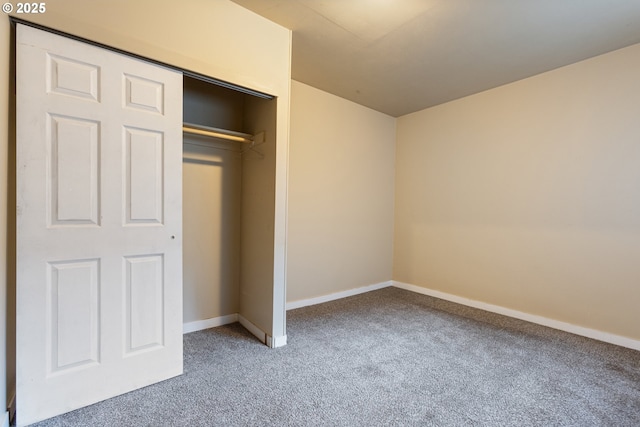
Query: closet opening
[(228, 207)]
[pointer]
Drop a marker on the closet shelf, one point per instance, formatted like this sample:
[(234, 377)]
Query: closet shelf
[(217, 133)]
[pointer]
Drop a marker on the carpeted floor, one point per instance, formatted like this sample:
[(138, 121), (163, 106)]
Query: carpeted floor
[(387, 358)]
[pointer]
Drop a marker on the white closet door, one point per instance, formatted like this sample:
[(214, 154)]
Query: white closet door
[(99, 292)]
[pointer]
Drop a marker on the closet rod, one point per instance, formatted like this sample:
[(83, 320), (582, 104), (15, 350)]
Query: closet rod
[(217, 133)]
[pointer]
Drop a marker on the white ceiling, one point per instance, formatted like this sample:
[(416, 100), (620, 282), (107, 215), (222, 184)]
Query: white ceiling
[(401, 56)]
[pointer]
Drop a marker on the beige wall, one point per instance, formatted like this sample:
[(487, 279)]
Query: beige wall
[(257, 213), (216, 38), (211, 182), (341, 176), (528, 196)]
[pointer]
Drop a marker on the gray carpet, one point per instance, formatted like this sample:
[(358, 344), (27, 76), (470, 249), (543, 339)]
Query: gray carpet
[(387, 358)]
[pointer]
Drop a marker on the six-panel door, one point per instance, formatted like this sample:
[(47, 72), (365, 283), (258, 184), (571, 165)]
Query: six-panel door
[(99, 268)]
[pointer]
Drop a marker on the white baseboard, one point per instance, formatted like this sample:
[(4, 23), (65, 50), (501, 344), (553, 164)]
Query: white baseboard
[(209, 323), (544, 321), (272, 342), (5, 419), (338, 295), (259, 333), (199, 325), (275, 342), (11, 407)]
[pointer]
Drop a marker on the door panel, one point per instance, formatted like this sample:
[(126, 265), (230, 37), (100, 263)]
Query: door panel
[(73, 306), (74, 170), (70, 77), (144, 174), (99, 220), (144, 302)]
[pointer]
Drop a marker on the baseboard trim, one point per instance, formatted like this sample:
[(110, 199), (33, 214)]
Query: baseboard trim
[(275, 342), (257, 332), (544, 321), (338, 295), (11, 407), (199, 325)]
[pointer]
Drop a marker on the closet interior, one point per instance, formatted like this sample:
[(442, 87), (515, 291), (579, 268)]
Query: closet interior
[(228, 206)]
